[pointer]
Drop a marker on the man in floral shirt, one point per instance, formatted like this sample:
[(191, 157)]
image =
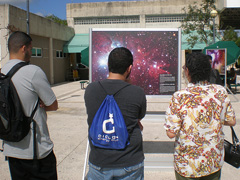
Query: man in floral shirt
[(195, 117)]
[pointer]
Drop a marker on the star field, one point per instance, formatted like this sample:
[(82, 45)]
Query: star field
[(154, 53)]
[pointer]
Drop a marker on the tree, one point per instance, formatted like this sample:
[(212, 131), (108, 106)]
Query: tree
[(198, 23), (56, 19), (229, 34)]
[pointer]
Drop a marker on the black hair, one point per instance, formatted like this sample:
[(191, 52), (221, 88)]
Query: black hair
[(119, 60), (198, 66), (209, 57), (17, 40), (232, 71)]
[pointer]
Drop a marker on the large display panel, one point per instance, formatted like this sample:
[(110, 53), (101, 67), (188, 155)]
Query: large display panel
[(156, 54), (218, 59)]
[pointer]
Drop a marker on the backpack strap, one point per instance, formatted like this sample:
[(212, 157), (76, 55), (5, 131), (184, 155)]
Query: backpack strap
[(34, 131), (115, 92), (35, 109), (35, 161), (16, 68)]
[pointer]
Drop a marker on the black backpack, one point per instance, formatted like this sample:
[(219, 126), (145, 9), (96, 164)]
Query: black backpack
[(14, 125)]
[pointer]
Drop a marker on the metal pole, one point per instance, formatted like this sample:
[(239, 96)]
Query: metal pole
[(27, 16), (85, 161), (214, 30)]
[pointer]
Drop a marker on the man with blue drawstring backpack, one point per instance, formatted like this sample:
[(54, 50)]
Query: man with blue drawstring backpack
[(114, 109)]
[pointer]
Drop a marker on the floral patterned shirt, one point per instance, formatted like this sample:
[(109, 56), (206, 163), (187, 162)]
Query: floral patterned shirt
[(196, 115)]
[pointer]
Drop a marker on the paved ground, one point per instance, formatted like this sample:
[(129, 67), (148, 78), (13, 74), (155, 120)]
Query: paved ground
[(68, 129)]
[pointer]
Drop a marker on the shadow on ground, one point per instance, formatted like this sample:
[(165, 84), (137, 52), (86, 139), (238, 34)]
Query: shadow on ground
[(158, 147)]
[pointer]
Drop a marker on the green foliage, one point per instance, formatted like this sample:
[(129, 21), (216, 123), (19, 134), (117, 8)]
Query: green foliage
[(229, 34), (56, 19), (238, 42), (198, 24)]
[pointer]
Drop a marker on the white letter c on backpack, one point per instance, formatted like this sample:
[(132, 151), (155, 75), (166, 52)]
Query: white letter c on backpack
[(108, 121)]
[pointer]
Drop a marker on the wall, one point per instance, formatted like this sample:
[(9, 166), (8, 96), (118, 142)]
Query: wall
[(61, 65), (42, 62), (127, 8), (44, 33), (39, 25), (4, 21)]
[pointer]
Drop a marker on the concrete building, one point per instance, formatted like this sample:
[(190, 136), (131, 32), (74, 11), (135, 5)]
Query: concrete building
[(48, 41), (135, 14), (126, 14), (143, 14)]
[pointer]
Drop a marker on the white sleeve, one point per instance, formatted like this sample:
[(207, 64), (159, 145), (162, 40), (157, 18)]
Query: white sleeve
[(42, 87)]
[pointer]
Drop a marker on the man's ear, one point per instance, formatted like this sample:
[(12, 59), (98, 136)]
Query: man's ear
[(129, 69), (188, 75), (23, 48)]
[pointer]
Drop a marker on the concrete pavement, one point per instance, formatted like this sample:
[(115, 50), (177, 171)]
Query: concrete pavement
[(68, 130)]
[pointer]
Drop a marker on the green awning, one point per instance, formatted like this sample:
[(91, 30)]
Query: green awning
[(85, 57), (233, 51), (77, 44)]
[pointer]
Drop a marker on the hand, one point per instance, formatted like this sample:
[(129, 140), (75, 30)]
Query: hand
[(171, 134), (42, 105), (140, 125)]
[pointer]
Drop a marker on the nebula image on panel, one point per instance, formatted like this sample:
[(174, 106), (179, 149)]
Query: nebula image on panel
[(218, 59), (155, 58)]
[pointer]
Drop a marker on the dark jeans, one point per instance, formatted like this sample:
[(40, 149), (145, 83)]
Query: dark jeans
[(135, 172), (214, 176), (41, 169)]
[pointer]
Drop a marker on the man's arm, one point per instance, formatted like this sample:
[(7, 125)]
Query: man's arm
[(170, 134), (140, 124), (52, 107), (43, 89), (173, 121), (230, 123), (142, 111), (230, 118)]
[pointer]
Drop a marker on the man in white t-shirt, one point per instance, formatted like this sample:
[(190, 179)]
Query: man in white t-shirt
[(31, 84)]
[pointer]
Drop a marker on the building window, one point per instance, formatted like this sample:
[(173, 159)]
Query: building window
[(36, 52), (59, 54), (107, 20), (165, 18)]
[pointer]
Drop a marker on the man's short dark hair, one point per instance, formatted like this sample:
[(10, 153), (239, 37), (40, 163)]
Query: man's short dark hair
[(119, 60), (209, 57), (198, 66), (17, 40)]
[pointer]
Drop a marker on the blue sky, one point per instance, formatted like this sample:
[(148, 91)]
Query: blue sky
[(48, 7)]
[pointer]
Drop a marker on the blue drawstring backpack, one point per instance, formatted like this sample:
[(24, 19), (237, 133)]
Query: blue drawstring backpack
[(108, 129)]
